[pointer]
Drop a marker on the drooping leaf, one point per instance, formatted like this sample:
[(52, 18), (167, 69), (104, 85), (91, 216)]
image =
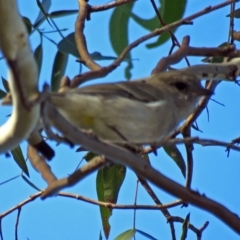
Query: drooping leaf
[(2, 94), (89, 156), (30, 183), (28, 24), (38, 55), (68, 45), (105, 212), (235, 13), (44, 6), (185, 227), (5, 84), (81, 149), (127, 235), (118, 31), (19, 159), (45, 13), (108, 182), (99, 56), (62, 13), (58, 70), (217, 59), (145, 234), (176, 155)]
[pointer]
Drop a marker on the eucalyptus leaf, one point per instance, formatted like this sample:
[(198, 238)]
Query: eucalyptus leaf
[(5, 84), (185, 227), (44, 6), (145, 234), (58, 70), (176, 155), (108, 183), (62, 13), (2, 94), (127, 235), (38, 55), (118, 30), (30, 183), (19, 159), (235, 13)]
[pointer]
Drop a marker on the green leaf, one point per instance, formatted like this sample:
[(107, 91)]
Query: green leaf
[(81, 149), (100, 236), (38, 55), (118, 27), (19, 159), (127, 71), (185, 227), (170, 10), (127, 235), (108, 182), (43, 11), (62, 13), (99, 56), (30, 183), (2, 94), (68, 45), (118, 30), (59, 67), (28, 24), (217, 59), (5, 84), (105, 212), (146, 234), (176, 155), (44, 7), (89, 156), (235, 13)]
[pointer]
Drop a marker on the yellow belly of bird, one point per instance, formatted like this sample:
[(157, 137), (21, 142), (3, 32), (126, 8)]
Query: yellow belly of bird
[(84, 121)]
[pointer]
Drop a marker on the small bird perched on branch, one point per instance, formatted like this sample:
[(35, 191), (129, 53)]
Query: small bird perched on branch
[(136, 112)]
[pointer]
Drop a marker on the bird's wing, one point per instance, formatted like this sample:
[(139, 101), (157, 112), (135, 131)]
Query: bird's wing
[(136, 90)]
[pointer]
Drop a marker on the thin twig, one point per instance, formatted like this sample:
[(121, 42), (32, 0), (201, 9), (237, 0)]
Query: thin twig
[(17, 223), (109, 5), (164, 211), (190, 226)]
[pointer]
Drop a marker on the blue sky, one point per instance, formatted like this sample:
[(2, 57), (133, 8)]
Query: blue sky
[(215, 174)]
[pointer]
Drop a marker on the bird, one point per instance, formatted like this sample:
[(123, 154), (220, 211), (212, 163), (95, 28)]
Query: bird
[(142, 111)]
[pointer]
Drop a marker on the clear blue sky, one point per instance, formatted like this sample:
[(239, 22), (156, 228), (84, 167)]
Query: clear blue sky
[(214, 174)]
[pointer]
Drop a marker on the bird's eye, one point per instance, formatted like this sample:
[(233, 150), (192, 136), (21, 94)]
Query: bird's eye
[(181, 86)]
